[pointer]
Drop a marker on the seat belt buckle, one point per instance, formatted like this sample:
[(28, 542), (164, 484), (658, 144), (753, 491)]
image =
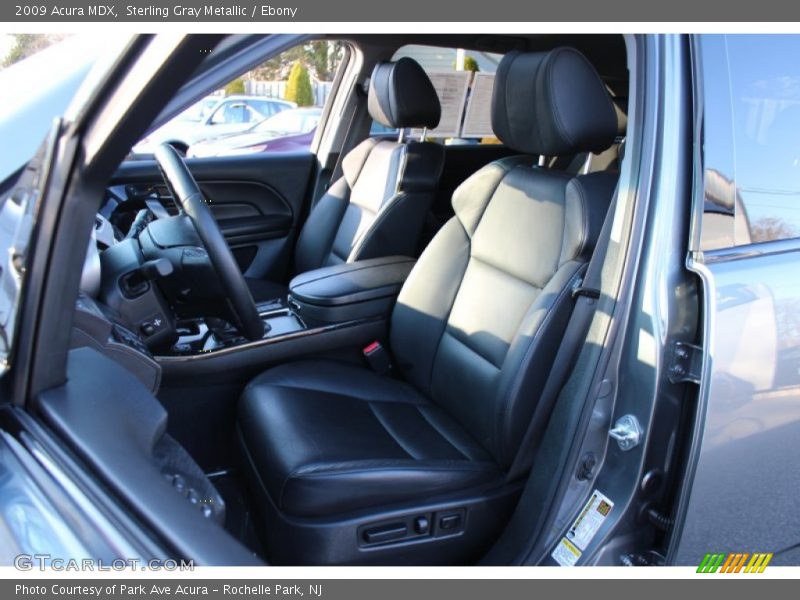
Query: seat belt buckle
[(377, 358), (578, 289)]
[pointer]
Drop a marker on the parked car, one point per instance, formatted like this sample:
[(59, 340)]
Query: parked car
[(288, 130), (210, 118), (576, 347)]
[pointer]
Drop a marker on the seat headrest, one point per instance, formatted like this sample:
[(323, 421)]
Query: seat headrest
[(551, 103), (401, 95)]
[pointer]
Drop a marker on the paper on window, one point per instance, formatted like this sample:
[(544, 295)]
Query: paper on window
[(478, 120), (451, 87)]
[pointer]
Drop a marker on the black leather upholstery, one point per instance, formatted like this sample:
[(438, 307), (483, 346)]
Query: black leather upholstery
[(377, 208), (479, 339), (345, 284), (474, 331), (330, 438), (401, 95), (551, 103), (379, 205)]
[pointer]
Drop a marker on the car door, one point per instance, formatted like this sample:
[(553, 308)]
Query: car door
[(56, 200), (741, 488), (258, 201)]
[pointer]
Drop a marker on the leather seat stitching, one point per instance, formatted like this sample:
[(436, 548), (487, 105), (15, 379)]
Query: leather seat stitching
[(444, 435), (390, 430)]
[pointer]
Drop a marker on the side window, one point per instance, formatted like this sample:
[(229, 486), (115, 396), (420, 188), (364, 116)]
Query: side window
[(464, 80), (251, 115), (230, 113), (751, 139), (298, 80), (261, 109)]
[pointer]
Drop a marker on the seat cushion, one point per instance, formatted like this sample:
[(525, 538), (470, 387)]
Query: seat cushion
[(328, 438)]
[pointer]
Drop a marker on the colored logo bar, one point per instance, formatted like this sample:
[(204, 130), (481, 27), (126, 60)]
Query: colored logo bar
[(735, 562)]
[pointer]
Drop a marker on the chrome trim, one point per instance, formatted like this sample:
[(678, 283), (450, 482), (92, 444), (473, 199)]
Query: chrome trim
[(749, 251)]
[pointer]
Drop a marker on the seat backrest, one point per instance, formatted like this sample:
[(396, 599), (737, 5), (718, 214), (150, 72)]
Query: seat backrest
[(479, 320), (378, 206)]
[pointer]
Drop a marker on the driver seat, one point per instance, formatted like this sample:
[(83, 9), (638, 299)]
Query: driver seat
[(356, 467), (379, 205)]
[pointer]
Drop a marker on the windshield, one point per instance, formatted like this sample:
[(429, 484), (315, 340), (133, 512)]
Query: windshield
[(289, 122), (38, 81), (42, 79)]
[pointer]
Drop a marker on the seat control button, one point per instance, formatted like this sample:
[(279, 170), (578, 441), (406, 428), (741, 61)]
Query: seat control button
[(450, 522), (385, 533), (422, 525)]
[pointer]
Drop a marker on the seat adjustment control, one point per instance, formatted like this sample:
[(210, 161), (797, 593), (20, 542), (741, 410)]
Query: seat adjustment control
[(450, 522), (422, 525), (385, 533)]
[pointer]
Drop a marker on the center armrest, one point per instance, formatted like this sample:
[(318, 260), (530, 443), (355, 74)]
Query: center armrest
[(362, 289)]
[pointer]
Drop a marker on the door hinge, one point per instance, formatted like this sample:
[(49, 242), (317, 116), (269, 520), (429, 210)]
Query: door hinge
[(686, 363)]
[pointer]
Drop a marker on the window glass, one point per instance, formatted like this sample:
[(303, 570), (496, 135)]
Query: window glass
[(224, 123), (291, 122), (463, 80), (230, 113), (751, 151)]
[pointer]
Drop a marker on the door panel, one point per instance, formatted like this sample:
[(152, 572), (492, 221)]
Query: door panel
[(258, 201)]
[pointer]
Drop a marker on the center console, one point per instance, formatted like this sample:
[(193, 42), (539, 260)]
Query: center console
[(347, 292), (343, 306)]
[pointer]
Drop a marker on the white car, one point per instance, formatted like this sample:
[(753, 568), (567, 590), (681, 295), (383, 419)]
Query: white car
[(210, 118)]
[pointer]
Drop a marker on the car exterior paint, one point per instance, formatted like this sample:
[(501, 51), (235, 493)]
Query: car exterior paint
[(289, 130)]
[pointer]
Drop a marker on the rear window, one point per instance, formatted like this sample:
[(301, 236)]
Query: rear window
[(464, 80), (751, 133)]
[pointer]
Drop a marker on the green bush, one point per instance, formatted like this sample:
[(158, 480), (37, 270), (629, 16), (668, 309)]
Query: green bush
[(298, 86), (235, 87), (470, 64)]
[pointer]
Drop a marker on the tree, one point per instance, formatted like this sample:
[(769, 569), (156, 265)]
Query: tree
[(321, 57), (235, 87), (324, 57), (470, 64), (298, 87), (771, 228), (28, 44)]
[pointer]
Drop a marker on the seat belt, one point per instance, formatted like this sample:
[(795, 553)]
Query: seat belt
[(350, 135), (585, 295)]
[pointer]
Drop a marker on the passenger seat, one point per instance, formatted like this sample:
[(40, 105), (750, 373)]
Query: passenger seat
[(379, 205)]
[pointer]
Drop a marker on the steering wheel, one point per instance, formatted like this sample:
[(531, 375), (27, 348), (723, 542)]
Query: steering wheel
[(187, 193)]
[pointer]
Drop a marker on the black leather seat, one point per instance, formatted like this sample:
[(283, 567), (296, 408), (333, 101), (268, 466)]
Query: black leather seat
[(379, 205), (335, 449)]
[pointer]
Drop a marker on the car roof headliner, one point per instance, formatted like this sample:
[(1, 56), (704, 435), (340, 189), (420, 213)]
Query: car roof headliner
[(605, 51)]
